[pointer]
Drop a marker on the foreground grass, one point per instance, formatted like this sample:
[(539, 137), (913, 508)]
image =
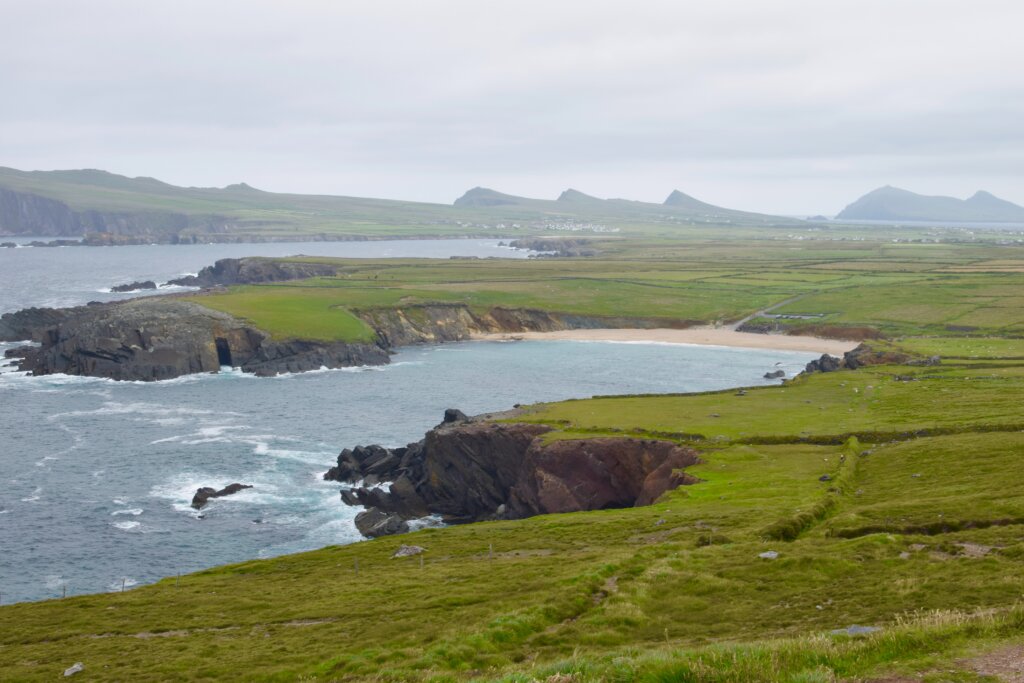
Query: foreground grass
[(936, 646), (669, 592), (886, 491)]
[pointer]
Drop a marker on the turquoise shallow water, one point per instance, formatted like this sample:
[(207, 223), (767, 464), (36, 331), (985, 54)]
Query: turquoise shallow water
[(96, 476)]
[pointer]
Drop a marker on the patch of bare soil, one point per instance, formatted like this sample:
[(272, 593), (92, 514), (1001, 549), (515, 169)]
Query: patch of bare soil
[(1006, 664)]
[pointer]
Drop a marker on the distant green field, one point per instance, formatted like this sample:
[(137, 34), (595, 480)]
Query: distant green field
[(729, 281), (286, 316)]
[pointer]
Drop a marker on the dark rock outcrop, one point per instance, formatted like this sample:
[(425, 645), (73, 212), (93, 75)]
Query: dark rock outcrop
[(134, 286), (862, 356), (775, 374), (556, 247), (468, 471), (454, 415), (204, 494), (373, 523), (162, 338), (31, 323), (826, 363), (242, 271)]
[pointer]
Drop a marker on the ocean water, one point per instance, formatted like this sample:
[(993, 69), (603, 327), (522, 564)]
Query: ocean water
[(96, 476), (71, 276)]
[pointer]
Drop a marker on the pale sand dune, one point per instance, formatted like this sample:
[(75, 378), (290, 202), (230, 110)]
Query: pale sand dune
[(707, 336)]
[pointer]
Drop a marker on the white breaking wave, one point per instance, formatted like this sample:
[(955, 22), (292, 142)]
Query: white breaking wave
[(176, 288), (36, 495), (124, 582), (126, 526), (129, 511)]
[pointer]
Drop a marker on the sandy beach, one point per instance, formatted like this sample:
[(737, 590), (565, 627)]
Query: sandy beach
[(707, 336)]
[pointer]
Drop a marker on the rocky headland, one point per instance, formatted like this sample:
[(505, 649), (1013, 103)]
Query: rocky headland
[(253, 270), (162, 338), (469, 469)]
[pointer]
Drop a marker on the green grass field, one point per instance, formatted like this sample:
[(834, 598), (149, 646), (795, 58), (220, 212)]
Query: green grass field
[(918, 528), (911, 523), (873, 292)]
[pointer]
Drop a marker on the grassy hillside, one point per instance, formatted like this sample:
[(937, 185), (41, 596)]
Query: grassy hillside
[(891, 494), (922, 512)]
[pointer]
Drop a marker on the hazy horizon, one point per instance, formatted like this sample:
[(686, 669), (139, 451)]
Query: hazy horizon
[(794, 108)]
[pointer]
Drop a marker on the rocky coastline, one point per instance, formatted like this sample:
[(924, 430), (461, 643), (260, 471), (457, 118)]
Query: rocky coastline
[(161, 338), (164, 337), (475, 469)]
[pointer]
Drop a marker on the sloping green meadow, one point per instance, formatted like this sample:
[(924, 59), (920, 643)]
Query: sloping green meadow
[(921, 510), (890, 496)]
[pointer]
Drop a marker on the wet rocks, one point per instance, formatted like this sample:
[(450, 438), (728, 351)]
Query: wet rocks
[(240, 271), (204, 494), (374, 523), (134, 286), (31, 323), (472, 470), (826, 363), (366, 464), (775, 374)]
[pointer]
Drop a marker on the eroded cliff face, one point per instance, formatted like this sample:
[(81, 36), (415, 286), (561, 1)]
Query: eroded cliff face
[(23, 213), (163, 338), (434, 323), (468, 471)]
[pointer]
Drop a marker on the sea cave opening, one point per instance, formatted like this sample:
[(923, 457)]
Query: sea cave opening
[(223, 351)]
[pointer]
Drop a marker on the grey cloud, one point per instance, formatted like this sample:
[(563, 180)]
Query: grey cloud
[(753, 104)]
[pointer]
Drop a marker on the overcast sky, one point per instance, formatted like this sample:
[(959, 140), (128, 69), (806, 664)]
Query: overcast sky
[(783, 106)]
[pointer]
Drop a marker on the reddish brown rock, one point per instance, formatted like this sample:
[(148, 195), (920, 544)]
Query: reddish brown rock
[(477, 470)]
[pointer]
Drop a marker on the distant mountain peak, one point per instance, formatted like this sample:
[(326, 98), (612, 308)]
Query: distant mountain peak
[(896, 204), (681, 199), (572, 195), (242, 187), (484, 196)]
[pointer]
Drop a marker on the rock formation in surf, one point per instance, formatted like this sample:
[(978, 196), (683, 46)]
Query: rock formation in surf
[(467, 470)]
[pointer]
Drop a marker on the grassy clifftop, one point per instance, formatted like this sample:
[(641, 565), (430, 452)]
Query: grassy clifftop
[(891, 496)]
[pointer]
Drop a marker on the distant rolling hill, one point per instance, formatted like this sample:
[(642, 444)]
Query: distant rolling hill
[(84, 202), (575, 203), (892, 203)]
